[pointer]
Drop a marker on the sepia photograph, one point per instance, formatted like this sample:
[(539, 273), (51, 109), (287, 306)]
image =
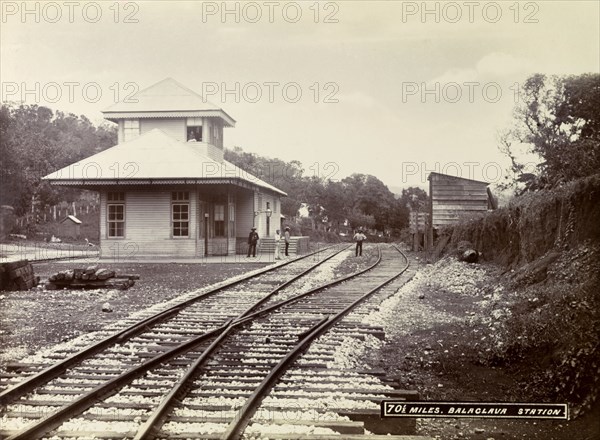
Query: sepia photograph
[(311, 219)]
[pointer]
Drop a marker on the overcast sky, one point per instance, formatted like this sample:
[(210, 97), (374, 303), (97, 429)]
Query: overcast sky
[(400, 89)]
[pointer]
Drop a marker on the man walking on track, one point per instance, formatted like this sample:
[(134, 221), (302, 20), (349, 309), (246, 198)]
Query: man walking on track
[(286, 236), (359, 237), (252, 240)]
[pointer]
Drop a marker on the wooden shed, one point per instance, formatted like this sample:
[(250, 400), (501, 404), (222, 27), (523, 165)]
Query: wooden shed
[(454, 198), (70, 226)]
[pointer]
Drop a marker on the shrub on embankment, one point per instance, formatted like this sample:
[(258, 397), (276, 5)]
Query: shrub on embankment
[(549, 245), (535, 224)]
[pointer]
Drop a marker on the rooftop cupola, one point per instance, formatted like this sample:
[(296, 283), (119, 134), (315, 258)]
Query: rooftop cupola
[(175, 109)]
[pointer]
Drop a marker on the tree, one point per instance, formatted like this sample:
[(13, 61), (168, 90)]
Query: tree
[(368, 195), (361, 199), (559, 118), (334, 203), (358, 219), (313, 195), (413, 196), (287, 176), (399, 217), (34, 141)]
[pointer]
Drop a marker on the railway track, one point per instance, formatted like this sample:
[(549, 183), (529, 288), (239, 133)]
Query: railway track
[(201, 369)]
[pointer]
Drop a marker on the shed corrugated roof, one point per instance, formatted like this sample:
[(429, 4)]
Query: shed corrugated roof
[(154, 157), (163, 98)]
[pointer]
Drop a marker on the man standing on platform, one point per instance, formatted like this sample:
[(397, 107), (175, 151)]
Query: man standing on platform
[(252, 241), (287, 240), (277, 240)]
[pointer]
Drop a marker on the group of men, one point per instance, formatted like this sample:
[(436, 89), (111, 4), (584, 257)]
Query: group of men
[(253, 238), (253, 241)]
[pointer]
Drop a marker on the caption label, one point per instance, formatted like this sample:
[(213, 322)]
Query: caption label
[(402, 408)]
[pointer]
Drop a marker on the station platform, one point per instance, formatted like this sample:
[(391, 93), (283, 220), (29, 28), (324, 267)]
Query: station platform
[(11, 252), (225, 259), (40, 255)]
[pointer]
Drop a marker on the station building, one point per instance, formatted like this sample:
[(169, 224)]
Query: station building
[(165, 188)]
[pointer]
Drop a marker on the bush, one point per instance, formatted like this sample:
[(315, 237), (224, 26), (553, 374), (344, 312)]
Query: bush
[(536, 223), (555, 325)]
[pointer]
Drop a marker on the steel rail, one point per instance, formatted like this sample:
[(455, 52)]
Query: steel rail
[(104, 390), (18, 390), (242, 418), (155, 421)]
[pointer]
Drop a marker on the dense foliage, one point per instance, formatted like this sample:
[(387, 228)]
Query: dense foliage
[(34, 142), (359, 200), (559, 118)]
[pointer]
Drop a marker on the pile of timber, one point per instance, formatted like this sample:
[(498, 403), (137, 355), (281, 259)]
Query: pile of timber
[(17, 275), (91, 277)]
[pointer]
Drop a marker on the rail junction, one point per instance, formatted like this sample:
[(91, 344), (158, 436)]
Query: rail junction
[(251, 358)]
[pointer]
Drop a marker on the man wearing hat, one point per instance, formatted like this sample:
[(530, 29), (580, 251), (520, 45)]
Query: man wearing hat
[(359, 237), (252, 240), (286, 236)]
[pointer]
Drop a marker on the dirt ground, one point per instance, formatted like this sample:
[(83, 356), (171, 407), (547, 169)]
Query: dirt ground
[(39, 319), (434, 334)]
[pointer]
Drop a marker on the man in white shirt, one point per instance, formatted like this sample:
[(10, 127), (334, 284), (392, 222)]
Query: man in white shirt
[(359, 237), (277, 240)]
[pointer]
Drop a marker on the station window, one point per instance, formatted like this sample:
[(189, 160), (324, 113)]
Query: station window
[(180, 213), (194, 130), (219, 220), (131, 129), (115, 214)]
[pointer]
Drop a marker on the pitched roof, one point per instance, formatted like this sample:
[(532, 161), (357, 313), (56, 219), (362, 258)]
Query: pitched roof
[(72, 218), (440, 176), (154, 158), (167, 98)]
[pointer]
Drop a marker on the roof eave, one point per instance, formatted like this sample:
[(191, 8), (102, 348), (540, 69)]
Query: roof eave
[(115, 116), (88, 183)]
